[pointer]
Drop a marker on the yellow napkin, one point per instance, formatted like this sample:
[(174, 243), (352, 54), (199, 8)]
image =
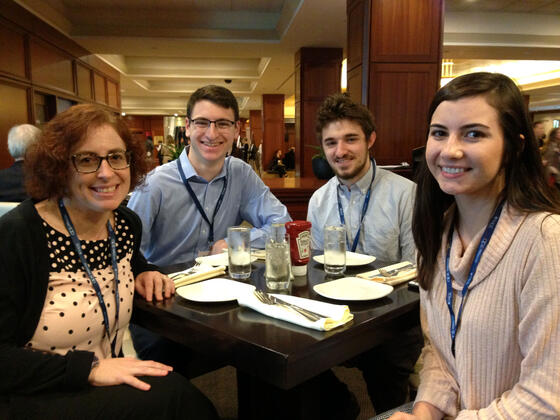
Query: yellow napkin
[(258, 253), (205, 272), (401, 277), (335, 315)]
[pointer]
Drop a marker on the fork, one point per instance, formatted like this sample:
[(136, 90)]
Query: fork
[(391, 273), (185, 273), (272, 300)]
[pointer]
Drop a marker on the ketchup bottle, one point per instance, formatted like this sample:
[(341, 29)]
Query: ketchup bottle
[(300, 245)]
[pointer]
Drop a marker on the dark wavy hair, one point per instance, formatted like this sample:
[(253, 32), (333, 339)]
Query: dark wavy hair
[(525, 189), (216, 94), (339, 107), (48, 165)]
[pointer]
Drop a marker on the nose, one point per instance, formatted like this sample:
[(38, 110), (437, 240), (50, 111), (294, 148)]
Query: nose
[(212, 130), (104, 170), (453, 147), (341, 149)]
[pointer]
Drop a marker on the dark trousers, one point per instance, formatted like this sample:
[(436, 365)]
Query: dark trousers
[(170, 397), (387, 367)]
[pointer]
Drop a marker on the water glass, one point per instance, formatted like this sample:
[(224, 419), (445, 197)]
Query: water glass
[(278, 263), (239, 252), (335, 249)]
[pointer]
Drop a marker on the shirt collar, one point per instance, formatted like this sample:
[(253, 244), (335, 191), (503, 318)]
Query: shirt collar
[(190, 172)]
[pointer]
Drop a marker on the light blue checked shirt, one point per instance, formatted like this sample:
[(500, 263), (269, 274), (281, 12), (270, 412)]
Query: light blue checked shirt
[(173, 229), (386, 229)]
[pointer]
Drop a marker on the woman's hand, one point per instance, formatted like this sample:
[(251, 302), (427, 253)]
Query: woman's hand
[(422, 411), (154, 284), (124, 370)]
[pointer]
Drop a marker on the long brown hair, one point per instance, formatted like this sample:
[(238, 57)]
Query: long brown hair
[(525, 184)]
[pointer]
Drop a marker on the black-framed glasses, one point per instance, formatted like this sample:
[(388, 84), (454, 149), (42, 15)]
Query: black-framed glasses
[(204, 124), (86, 163)]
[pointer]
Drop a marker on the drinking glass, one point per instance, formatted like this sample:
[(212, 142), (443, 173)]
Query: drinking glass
[(239, 252), (277, 248), (335, 249)]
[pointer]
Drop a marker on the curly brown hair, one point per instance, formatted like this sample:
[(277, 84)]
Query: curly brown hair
[(47, 162)]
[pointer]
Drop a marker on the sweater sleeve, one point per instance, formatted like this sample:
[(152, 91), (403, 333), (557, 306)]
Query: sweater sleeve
[(23, 276), (437, 385), (537, 393)]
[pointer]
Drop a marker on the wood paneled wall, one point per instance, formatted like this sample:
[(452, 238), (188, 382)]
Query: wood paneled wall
[(41, 68), (255, 121), (394, 65), (273, 126), (317, 75)]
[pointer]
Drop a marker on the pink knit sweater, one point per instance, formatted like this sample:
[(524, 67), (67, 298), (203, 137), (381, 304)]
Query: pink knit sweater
[(507, 363)]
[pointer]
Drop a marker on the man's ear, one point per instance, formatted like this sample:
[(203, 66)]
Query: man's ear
[(237, 128), (371, 139)]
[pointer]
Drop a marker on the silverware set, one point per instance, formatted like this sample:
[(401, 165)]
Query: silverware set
[(394, 272), (191, 270), (269, 299)]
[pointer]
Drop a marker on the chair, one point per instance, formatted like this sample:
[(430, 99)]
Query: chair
[(417, 158), (5, 207)]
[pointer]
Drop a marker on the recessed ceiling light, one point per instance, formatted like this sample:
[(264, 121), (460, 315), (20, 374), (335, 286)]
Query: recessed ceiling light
[(176, 114), (123, 113)]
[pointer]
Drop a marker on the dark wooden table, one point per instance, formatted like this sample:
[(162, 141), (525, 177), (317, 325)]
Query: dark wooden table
[(271, 354)]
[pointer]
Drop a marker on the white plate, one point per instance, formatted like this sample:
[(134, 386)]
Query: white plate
[(353, 288), (353, 259), (214, 290), (218, 259)]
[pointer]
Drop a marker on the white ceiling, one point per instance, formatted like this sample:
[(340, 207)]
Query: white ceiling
[(165, 49)]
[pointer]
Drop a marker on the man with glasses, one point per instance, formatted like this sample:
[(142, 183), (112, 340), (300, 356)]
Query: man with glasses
[(187, 205)]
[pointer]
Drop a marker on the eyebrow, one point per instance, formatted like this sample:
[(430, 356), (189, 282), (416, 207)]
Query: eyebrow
[(463, 127)]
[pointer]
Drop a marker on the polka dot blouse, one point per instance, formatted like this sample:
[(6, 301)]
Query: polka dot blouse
[(71, 318)]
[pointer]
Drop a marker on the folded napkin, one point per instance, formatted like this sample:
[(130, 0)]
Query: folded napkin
[(258, 253), (202, 272), (399, 277), (335, 315)]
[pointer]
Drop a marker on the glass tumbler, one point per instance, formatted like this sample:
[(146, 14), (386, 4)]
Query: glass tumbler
[(239, 252), (335, 249), (277, 260)]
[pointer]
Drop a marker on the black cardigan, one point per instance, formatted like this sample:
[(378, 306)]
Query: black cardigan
[(24, 274)]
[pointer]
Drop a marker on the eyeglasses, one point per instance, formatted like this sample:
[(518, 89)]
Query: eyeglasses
[(204, 124), (86, 163)]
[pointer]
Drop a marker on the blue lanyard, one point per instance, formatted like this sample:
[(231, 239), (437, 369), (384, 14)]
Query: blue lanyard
[(480, 250), (364, 209), (78, 248), (199, 206)]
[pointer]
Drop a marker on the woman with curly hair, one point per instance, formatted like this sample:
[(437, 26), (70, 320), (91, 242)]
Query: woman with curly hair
[(487, 230), (69, 266)]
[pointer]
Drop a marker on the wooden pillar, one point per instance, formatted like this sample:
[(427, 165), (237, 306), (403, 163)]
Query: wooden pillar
[(394, 67), (317, 76), (273, 126), (255, 122)]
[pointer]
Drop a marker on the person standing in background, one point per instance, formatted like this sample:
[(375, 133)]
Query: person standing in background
[(20, 137)]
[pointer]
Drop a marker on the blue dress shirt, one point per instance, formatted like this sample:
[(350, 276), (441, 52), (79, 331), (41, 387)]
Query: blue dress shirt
[(173, 229), (386, 230)]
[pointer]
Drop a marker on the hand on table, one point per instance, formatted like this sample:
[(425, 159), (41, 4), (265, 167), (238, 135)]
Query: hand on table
[(154, 284), (219, 246), (403, 416), (124, 370)]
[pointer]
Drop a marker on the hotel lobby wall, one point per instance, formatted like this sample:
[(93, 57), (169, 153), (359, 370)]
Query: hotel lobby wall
[(317, 75), (42, 72), (394, 65)]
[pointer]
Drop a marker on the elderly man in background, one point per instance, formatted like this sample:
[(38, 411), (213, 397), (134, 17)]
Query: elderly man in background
[(20, 137)]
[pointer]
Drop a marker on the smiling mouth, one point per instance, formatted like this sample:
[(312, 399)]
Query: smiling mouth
[(449, 170), (212, 143), (105, 189)]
